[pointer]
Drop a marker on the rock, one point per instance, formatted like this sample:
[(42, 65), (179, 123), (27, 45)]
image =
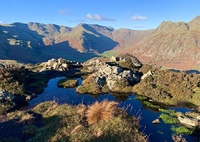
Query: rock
[(188, 121), (111, 84), (114, 59), (130, 58), (116, 70), (64, 65), (28, 97), (54, 64), (156, 121), (111, 74), (198, 117), (149, 73)]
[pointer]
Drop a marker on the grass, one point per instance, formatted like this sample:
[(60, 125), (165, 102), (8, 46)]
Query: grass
[(109, 54), (67, 83), (168, 119), (181, 130), (102, 111), (169, 87), (102, 121), (168, 116)]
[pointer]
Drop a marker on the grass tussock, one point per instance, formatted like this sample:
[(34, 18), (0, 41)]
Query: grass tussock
[(100, 111)]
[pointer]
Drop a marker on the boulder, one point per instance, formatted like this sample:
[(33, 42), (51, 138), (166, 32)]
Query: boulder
[(191, 122), (156, 121)]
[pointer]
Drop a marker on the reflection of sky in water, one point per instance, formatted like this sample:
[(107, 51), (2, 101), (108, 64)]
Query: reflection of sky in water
[(156, 132)]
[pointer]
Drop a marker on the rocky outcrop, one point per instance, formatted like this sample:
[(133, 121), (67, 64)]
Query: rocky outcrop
[(190, 122), (53, 64), (112, 74)]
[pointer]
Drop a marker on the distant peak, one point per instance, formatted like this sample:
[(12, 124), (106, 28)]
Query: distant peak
[(169, 26), (197, 18)]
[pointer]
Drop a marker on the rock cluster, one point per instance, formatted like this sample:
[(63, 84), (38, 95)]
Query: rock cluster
[(190, 122), (106, 73), (53, 64)]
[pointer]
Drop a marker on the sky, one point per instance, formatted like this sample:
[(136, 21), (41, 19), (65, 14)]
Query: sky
[(131, 14)]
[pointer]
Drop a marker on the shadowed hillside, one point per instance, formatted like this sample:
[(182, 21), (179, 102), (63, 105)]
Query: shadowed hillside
[(36, 42)]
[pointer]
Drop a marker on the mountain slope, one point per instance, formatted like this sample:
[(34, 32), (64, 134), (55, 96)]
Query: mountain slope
[(175, 45), (36, 42)]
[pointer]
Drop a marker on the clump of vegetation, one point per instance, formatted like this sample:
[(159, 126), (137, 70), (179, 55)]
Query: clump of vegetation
[(168, 119), (102, 111), (168, 116), (181, 130), (122, 86), (12, 79), (76, 123), (150, 105), (170, 87), (67, 83)]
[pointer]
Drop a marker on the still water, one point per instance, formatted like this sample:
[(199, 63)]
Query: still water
[(156, 132)]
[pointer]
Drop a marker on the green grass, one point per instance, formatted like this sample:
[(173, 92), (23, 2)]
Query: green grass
[(67, 83), (150, 105), (181, 130), (109, 54), (168, 119)]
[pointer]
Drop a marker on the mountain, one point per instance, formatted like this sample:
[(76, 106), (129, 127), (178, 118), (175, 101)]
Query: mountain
[(172, 44), (36, 42)]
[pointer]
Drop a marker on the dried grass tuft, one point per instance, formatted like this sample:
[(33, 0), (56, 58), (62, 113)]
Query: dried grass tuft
[(100, 111)]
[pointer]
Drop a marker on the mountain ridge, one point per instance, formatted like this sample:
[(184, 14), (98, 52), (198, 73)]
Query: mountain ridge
[(36, 42), (172, 44)]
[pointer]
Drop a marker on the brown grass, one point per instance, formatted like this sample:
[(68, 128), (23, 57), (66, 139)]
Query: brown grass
[(27, 118), (100, 111)]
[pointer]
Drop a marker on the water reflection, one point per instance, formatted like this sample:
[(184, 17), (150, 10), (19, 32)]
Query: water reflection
[(156, 132)]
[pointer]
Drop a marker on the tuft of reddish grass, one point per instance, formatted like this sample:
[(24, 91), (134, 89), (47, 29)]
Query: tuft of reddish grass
[(100, 111)]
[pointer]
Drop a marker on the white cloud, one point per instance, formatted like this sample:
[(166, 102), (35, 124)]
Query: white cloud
[(138, 17), (1, 22), (97, 17)]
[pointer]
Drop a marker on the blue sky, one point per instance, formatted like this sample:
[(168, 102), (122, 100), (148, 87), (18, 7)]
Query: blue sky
[(132, 14)]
